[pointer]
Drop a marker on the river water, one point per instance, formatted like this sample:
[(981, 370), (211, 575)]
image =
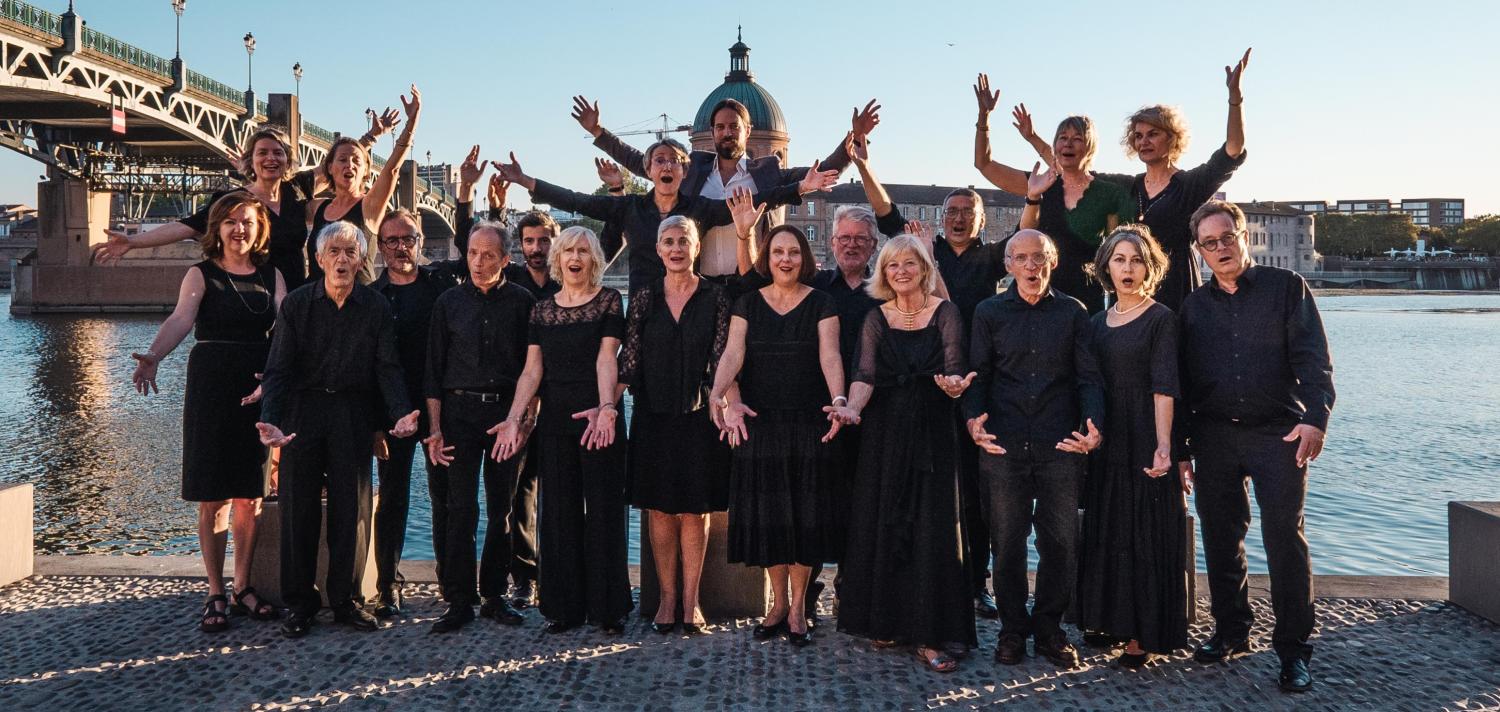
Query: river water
[(1415, 426)]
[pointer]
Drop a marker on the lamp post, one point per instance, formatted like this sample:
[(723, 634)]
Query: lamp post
[(178, 6), (249, 68), (297, 75)]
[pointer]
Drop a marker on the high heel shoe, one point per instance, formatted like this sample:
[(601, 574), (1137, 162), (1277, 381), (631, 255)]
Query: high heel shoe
[(663, 628), (761, 631)]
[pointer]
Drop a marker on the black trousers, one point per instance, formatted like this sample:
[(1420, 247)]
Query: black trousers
[(1229, 457), (1027, 490), (332, 447), (455, 501), (394, 478), (584, 570), (523, 523), (973, 498)]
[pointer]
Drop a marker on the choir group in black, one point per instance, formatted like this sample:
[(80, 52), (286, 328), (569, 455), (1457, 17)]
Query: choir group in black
[(909, 421)]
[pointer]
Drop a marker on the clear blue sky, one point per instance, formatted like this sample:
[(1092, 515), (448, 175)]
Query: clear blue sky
[(1343, 99)]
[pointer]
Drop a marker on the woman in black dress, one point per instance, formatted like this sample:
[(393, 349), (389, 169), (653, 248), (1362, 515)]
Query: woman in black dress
[(679, 469), (783, 490), (575, 335), (904, 576), (1132, 582), (269, 161), (229, 301)]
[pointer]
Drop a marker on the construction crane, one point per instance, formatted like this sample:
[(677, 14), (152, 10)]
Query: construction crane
[(661, 133)]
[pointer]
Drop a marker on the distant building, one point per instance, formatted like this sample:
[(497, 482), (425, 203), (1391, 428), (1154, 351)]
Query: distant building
[(917, 202), (1281, 236), (1424, 212), (442, 176), (11, 215)]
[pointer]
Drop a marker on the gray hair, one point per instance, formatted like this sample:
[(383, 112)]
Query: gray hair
[(494, 226), (858, 214), (341, 229), (681, 222), (1049, 245)]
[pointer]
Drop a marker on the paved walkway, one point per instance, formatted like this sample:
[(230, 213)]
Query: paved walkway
[(130, 642)]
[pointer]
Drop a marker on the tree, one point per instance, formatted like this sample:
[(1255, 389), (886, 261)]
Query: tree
[(1481, 234), (1365, 234)]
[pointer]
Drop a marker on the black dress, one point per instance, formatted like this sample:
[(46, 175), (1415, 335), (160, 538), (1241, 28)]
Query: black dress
[(222, 457), (1168, 214), (582, 560), (1132, 563), (354, 216), (288, 233), (904, 573), (678, 464), (783, 487)]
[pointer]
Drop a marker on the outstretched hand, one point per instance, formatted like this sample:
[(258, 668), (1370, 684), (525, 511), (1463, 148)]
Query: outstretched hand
[(1039, 181), (271, 436), (982, 437), (746, 213), (144, 377), (1021, 119), (864, 121), (114, 247), (817, 180), (1081, 443), (470, 170), (512, 173), (256, 394), (406, 425), (586, 114), (383, 122), (1232, 77), (987, 99), (923, 232), (496, 194), (507, 440), (1311, 444), (439, 453), (412, 107), (857, 148), (954, 386), (733, 423), (609, 172)]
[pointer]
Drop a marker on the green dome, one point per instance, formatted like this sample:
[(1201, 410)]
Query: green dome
[(739, 84)]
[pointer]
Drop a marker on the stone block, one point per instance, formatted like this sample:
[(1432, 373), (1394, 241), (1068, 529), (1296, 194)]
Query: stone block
[(16, 553), (726, 590), (265, 569), (1474, 557)]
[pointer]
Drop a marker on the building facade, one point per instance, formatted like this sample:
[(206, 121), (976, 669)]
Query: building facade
[(442, 176), (1281, 236), (1002, 211), (1424, 212)]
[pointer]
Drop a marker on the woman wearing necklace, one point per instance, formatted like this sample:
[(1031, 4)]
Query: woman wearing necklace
[(905, 580), (229, 301), (1076, 211), (1132, 582), (783, 488), (571, 363)]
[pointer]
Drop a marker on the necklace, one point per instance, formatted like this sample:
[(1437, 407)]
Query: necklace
[(234, 287), (910, 317), (1138, 305)]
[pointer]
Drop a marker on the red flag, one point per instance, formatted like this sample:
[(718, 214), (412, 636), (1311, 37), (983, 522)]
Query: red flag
[(117, 121)]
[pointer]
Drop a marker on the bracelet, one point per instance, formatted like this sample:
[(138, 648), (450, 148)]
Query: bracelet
[(608, 404), (1237, 103), (404, 145), (742, 237), (617, 189), (982, 127), (1029, 201), (836, 400)]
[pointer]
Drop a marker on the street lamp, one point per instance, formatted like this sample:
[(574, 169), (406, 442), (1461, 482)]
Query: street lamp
[(249, 68), (297, 75), (178, 6)]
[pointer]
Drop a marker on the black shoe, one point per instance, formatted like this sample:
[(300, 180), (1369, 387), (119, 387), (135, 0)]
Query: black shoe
[(984, 605), (1218, 649), (761, 631), (356, 618), (799, 640), (663, 628), (1011, 650), (297, 625), (390, 604), (560, 626), (613, 628), (1103, 641), (455, 618), (1135, 661), (498, 609), (814, 592), (1055, 647), (523, 595), (1296, 676), (692, 628)]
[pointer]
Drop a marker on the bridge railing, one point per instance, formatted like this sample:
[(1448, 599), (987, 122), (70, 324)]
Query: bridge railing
[(127, 53), (215, 88), (32, 17), (317, 132)]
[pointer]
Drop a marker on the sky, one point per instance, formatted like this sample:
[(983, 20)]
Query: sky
[(1342, 99)]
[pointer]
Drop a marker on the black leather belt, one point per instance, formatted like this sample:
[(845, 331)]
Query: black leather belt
[(483, 396)]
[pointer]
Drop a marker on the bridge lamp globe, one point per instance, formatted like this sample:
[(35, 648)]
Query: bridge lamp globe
[(249, 52), (297, 75)]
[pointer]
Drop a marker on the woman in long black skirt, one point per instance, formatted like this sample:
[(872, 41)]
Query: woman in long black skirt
[(903, 568), (575, 336), (229, 301), (1132, 582)]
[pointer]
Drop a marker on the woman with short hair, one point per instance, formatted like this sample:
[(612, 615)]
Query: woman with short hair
[(571, 364), (229, 301), (1132, 582)]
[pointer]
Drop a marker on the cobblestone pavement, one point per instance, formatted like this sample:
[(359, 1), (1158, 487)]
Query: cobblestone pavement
[(106, 643)]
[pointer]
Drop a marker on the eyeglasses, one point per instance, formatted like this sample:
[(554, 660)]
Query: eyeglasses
[(1037, 260), (402, 240), (851, 239), (956, 212), (1222, 242)]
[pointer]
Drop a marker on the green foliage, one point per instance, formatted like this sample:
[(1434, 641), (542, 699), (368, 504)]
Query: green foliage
[(1364, 235), (1481, 234)]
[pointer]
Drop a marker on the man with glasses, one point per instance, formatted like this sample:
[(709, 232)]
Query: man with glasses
[(972, 270), (1036, 409), (1257, 382)]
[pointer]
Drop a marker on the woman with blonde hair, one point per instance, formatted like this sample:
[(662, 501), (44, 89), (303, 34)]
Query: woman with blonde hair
[(571, 365), (1132, 582), (905, 581), (229, 302)]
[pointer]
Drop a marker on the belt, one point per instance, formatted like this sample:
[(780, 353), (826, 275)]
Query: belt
[(483, 396)]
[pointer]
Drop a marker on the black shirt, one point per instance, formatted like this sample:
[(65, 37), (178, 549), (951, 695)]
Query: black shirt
[(852, 304), (318, 346), (973, 276), (288, 233), (411, 304), (1037, 373), (521, 276), (1256, 356), (669, 363), (477, 341)]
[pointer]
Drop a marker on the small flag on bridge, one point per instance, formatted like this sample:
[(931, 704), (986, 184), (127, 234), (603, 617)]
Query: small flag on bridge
[(117, 121)]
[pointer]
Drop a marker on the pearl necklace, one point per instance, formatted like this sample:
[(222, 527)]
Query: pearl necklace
[(1138, 305), (910, 320)]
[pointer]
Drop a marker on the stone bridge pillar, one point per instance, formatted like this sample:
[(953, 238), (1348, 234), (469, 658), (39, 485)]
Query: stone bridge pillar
[(406, 185), (72, 219)]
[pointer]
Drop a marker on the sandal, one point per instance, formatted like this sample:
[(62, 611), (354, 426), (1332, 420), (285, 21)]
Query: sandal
[(215, 614), (257, 610), (936, 660)]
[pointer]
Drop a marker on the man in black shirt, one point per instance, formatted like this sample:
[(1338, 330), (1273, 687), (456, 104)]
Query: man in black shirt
[(476, 350), (333, 365), (972, 270), (1036, 408), (1258, 383), (411, 289)]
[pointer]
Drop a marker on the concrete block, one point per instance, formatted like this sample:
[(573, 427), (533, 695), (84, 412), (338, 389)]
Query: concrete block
[(726, 591), (1474, 557), (265, 570), (16, 553)]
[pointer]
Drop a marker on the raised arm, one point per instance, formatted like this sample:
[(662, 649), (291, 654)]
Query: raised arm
[(587, 116), (171, 333), (118, 243), (1036, 185), (1234, 135), (385, 182), (1002, 176)]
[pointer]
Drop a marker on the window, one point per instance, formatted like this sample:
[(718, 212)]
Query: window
[(922, 213), (812, 233), (812, 209), (791, 210)]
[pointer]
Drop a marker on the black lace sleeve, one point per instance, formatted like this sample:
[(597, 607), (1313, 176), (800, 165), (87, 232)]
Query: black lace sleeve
[(612, 314), (951, 327), (868, 347), (630, 353), (721, 331)]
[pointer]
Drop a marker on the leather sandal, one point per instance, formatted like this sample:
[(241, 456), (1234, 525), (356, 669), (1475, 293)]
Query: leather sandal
[(215, 618), (936, 660), (259, 610)]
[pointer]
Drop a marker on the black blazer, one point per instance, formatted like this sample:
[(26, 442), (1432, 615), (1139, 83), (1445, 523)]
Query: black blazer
[(765, 170)]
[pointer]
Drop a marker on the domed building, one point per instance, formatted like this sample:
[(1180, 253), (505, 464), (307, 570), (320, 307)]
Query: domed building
[(767, 126)]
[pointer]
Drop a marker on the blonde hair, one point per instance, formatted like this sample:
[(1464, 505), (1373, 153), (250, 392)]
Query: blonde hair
[(1166, 118), (898, 246), (1085, 128), (1151, 253), (565, 240)]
